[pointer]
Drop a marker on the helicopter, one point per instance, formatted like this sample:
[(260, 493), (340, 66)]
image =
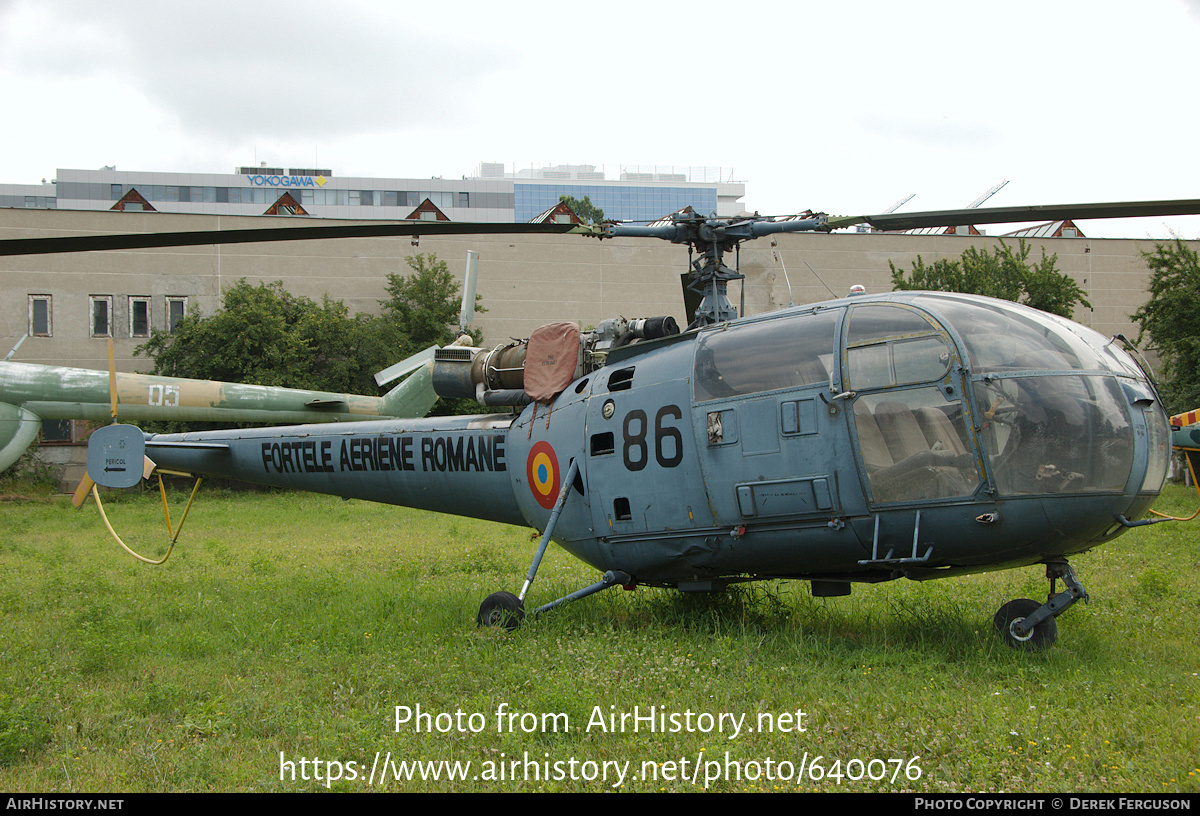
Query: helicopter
[(916, 435)]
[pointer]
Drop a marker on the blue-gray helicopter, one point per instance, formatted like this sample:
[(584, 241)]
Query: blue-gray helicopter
[(913, 435)]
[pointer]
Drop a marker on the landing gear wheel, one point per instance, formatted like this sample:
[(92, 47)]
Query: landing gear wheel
[(1041, 638), (501, 609)]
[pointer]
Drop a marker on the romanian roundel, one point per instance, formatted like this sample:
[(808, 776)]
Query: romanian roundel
[(541, 467)]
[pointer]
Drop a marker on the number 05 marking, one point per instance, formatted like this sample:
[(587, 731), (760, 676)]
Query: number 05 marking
[(163, 396)]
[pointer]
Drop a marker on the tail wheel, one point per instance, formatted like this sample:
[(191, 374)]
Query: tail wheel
[(501, 609), (1040, 638)]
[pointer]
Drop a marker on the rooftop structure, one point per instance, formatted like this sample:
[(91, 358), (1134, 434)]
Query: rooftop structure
[(1054, 229)]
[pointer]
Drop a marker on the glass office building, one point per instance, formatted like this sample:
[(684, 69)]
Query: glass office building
[(625, 202)]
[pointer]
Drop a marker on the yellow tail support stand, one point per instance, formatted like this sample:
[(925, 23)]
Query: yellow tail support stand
[(114, 453), (173, 532)]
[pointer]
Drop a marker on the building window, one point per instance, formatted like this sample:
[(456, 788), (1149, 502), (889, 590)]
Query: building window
[(39, 316), (176, 311), (464, 199), (57, 430), (65, 431), (139, 317), (101, 311)]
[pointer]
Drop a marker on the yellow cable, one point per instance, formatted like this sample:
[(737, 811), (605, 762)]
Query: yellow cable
[(1176, 518), (174, 534), (103, 515)]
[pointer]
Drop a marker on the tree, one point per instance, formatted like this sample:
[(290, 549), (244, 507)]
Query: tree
[(585, 209), (1004, 274), (1168, 318), (265, 335), (423, 308)]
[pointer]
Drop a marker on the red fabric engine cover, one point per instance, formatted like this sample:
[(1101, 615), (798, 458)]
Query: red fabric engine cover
[(550, 360)]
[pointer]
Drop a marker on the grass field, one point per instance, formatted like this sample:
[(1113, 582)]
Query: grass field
[(296, 642)]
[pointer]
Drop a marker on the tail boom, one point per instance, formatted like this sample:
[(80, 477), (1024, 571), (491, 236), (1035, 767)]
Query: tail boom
[(455, 465)]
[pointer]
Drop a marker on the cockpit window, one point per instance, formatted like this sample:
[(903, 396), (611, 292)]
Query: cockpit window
[(891, 345), (914, 446), (1063, 434), (1160, 449), (876, 322), (764, 356), (1002, 337)]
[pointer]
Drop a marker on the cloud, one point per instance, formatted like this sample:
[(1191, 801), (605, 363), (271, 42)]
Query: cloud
[(930, 133), (1193, 8), (231, 71)]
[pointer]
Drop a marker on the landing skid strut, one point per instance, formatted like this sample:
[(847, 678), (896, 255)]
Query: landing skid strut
[(508, 610)]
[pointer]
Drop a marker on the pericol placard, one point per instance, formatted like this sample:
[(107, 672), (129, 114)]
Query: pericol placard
[(115, 455)]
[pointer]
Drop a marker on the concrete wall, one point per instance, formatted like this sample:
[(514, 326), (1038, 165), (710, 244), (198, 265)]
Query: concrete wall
[(524, 281), (1110, 271)]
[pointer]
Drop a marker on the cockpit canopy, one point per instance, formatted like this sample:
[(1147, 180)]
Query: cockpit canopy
[(949, 392), (1003, 337)]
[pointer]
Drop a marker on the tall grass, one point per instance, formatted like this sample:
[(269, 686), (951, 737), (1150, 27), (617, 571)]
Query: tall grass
[(297, 624)]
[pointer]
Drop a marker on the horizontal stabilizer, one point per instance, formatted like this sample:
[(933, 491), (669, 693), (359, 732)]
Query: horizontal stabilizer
[(151, 443), (412, 398), (395, 372)]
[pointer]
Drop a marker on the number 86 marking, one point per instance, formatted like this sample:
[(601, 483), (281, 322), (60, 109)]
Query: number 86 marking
[(635, 452)]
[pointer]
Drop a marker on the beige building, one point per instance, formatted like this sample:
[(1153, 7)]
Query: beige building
[(70, 304)]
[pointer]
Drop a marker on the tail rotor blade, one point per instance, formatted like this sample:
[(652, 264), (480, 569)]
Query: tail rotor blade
[(81, 492), (112, 380)]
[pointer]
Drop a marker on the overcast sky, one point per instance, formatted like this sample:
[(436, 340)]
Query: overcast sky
[(840, 107)]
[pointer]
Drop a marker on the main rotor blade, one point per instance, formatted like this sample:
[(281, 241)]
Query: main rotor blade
[(150, 240), (1003, 215), (883, 221)]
